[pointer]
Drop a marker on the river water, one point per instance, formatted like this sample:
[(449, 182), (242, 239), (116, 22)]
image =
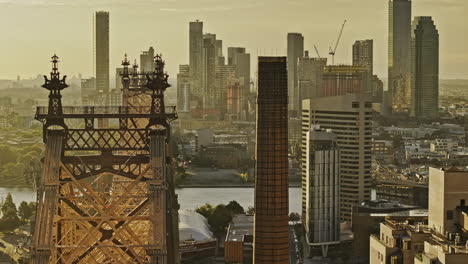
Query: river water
[(189, 198)]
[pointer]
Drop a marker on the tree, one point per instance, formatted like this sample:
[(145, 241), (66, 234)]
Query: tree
[(250, 210), (235, 208), (12, 170), (8, 155), (25, 211), (9, 220), (8, 203), (33, 207), (220, 219), (205, 210), (294, 217)]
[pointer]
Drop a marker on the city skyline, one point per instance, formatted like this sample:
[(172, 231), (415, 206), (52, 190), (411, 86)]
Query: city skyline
[(76, 45), (216, 131)]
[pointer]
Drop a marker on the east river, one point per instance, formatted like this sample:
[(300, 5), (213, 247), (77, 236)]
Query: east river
[(189, 198)]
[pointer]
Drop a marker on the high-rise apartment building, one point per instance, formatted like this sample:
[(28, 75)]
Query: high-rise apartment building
[(271, 238), (310, 77), (88, 91), (363, 54), (295, 51), (377, 90), (147, 60), (196, 57), (208, 72), (232, 51), (183, 89), (344, 79), (224, 76), (238, 57), (234, 96), (425, 68), (219, 52), (102, 51), (349, 117), (321, 215), (399, 54)]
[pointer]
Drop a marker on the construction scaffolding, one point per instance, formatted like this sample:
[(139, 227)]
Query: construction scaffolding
[(106, 194)]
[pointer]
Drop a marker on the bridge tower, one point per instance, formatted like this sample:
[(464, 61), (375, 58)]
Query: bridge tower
[(106, 194)]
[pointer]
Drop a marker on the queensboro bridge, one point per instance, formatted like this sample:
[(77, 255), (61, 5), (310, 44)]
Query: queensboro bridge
[(106, 193)]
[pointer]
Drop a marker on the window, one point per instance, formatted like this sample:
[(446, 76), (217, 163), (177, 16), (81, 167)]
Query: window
[(462, 202), (449, 215), (355, 104)]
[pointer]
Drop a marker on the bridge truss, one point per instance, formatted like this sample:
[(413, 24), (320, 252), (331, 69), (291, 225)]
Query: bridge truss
[(106, 194)]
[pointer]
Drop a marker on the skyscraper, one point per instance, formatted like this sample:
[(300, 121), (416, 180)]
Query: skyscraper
[(344, 79), (377, 90), (219, 52), (224, 77), (118, 78), (310, 76), (425, 68), (363, 54), (399, 54), (295, 51), (234, 91), (147, 60), (209, 57), (88, 91), (102, 51), (350, 118), (232, 51), (183, 89), (238, 57), (321, 215), (271, 238), (196, 57)]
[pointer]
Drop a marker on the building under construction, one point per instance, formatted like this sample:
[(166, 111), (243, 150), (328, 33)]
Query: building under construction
[(106, 193)]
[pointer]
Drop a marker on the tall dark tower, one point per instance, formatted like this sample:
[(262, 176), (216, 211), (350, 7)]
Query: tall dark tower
[(196, 57), (295, 51), (425, 68), (399, 54), (102, 51), (271, 243)]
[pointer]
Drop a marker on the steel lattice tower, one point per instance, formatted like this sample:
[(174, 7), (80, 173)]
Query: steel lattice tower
[(106, 194)]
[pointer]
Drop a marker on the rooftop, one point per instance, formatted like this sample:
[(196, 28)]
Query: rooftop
[(193, 227), (385, 205), (455, 169), (240, 226)]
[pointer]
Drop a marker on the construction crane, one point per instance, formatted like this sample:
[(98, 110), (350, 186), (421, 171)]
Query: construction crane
[(316, 51), (333, 51)]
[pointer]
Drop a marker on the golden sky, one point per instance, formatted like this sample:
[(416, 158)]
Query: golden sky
[(32, 30)]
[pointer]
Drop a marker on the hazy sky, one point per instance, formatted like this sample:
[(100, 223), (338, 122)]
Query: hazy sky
[(32, 30)]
